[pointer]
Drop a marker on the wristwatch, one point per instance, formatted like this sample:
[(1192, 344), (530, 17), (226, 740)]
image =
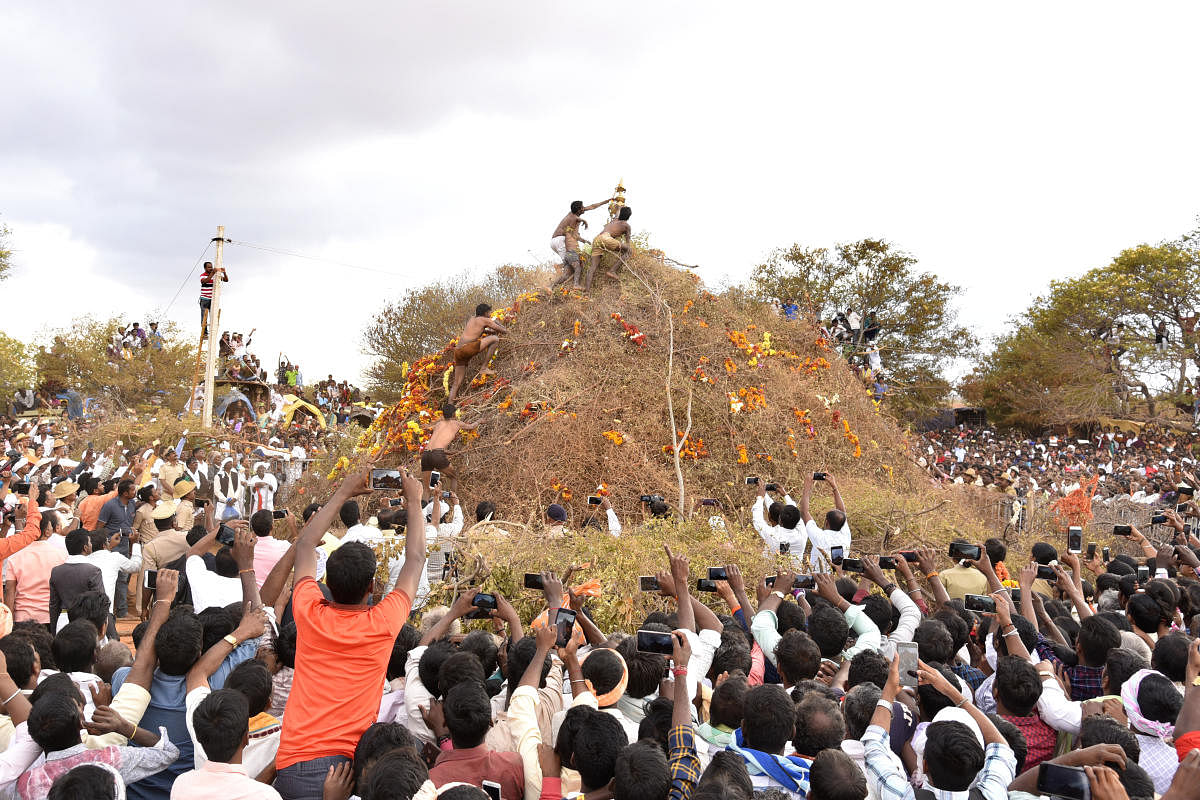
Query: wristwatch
[(779, 594), (233, 642)]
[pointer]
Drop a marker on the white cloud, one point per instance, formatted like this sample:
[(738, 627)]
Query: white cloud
[(1003, 148)]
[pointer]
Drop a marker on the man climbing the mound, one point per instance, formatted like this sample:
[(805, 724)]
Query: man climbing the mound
[(565, 242), (434, 457), (614, 240), (482, 333)]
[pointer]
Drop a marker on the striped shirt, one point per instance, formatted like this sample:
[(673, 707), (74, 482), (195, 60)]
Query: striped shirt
[(206, 285)]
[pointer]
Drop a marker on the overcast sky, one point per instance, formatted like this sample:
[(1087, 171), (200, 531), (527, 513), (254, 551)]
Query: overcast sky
[(1002, 145)]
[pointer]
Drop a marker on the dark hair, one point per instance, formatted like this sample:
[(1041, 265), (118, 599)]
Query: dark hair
[(1120, 666), (398, 772), (953, 756), (858, 708), (789, 517), (814, 687), (482, 645), (1043, 553), (482, 310), (877, 608), (829, 630), (641, 771), (74, 646), (603, 668), (431, 662), (846, 588), (459, 668), (253, 680), (1015, 738), (124, 486), (1170, 656), (1103, 729), (729, 701), (656, 723), (93, 607), (956, 626), (309, 510), (790, 616), (625, 213), (590, 741), (406, 640), (520, 654), (99, 539), (834, 776), (76, 541), (996, 550), (732, 655), (576, 206), (261, 522), (835, 520), (868, 666), (285, 644), (725, 779), (468, 714), (40, 638), (1025, 630), (819, 726), (1158, 698), (1136, 781), (934, 642), (930, 700), (484, 508), (377, 740), (1096, 637), (84, 782), (349, 513), (55, 720), (221, 722), (1018, 686), (178, 643), (768, 721), (1144, 612), (645, 669), (18, 656), (349, 572), (797, 656), (449, 410), (1118, 620)]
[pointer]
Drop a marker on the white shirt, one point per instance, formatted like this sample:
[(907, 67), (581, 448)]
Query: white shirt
[(226, 781), (110, 563), (262, 498), (775, 535), (210, 590), (822, 540)]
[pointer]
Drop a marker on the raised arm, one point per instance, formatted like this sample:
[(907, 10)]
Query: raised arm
[(276, 579), (32, 529), (837, 495), (414, 543), (243, 554), (679, 574), (354, 485), (805, 497), (253, 624)]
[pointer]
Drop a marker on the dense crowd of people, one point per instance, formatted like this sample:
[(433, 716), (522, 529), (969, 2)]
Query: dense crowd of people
[(1146, 466), (301, 658)]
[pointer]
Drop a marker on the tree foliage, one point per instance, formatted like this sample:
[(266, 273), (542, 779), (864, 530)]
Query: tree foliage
[(16, 367), (425, 319), (76, 357), (1087, 347), (920, 335)]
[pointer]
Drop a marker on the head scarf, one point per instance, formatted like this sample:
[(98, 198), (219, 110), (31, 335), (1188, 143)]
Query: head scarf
[(610, 697), (1129, 696), (790, 772)]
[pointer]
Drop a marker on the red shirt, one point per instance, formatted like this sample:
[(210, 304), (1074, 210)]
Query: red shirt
[(341, 661), (477, 764)]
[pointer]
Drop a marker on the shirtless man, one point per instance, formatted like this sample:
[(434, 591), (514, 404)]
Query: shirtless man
[(614, 239), (434, 457), (565, 242), (482, 333)]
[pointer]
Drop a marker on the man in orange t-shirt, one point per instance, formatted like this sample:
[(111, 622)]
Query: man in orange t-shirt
[(342, 646), (89, 507)]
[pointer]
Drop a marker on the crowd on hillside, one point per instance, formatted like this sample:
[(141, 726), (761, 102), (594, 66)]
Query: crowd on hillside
[(302, 658), (1147, 466)]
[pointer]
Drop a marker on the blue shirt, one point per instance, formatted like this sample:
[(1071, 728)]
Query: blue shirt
[(117, 517), (167, 693)]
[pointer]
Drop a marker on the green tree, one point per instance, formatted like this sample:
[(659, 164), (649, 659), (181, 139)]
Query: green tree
[(1088, 345), (425, 319), (16, 367), (77, 356), (919, 333)]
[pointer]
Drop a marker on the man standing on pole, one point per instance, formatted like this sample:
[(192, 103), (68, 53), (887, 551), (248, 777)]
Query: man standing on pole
[(206, 292)]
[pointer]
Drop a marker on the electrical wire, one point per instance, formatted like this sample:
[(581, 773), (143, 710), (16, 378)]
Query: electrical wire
[(294, 254), (188, 278)]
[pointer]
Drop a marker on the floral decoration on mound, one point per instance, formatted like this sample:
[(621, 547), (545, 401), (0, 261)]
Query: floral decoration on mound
[(1076, 507), (692, 448), (631, 331)]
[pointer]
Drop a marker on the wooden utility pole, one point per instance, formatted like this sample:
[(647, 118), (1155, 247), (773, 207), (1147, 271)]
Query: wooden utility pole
[(214, 322)]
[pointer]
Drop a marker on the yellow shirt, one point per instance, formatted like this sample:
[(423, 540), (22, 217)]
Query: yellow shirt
[(961, 581)]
